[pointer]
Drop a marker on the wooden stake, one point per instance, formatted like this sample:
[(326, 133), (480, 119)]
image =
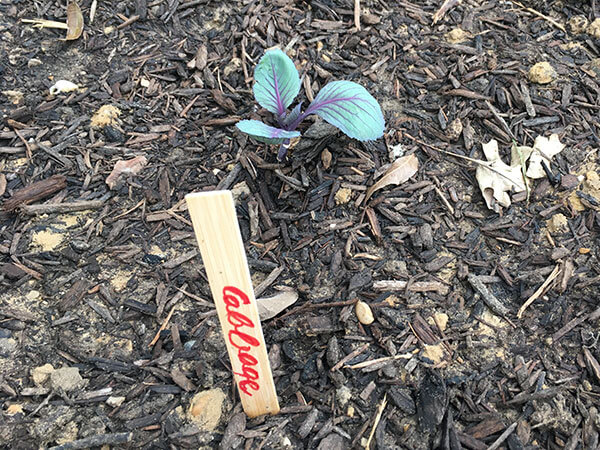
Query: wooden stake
[(220, 241)]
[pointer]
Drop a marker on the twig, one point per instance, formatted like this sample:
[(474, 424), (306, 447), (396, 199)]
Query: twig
[(489, 299), (540, 291), (486, 164), (96, 441), (51, 208), (503, 437), (357, 14), (371, 362), (573, 323), (349, 356), (162, 327), (539, 14), (41, 405), (377, 419), (446, 6)]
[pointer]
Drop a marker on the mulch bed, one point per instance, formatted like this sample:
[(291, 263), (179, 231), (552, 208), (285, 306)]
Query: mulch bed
[(89, 276)]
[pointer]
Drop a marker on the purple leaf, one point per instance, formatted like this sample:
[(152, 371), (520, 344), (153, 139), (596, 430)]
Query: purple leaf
[(265, 133), (276, 82), (349, 107)]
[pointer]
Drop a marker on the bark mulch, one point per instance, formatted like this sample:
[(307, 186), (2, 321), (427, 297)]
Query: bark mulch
[(107, 330)]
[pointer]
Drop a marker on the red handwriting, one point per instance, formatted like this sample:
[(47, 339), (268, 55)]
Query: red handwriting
[(243, 342)]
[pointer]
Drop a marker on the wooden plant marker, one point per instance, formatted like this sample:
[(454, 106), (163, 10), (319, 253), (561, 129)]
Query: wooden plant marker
[(222, 249)]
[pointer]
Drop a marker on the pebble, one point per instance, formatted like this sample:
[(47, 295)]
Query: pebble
[(333, 441), (115, 401), (343, 395), (364, 313), (40, 374), (7, 346), (542, 73), (206, 408), (557, 224), (594, 28), (66, 379), (578, 24), (454, 130)]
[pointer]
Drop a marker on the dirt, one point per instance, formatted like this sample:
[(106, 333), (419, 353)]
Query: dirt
[(446, 361)]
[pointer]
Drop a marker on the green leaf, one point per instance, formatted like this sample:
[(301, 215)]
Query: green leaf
[(276, 82), (349, 107), (265, 133)]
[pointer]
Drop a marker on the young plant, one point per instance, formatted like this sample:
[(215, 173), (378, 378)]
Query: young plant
[(344, 104)]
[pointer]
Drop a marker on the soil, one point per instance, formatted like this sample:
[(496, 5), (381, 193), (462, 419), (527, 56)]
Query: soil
[(90, 273)]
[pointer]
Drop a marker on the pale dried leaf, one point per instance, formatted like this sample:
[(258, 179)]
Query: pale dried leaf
[(497, 178), (130, 166), (399, 172), (269, 307), (74, 22), (544, 149)]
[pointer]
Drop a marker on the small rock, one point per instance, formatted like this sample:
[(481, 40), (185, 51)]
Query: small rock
[(594, 28), (364, 313), (343, 196), (578, 24), (66, 379), (542, 73), (326, 158), (79, 245), (434, 353), (457, 35), (7, 346), (14, 409), (206, 408), (343, 395), (557, 224), (333, 441), (40, 374), (34, 62), (454, 130), (440, 318), (115, 401)]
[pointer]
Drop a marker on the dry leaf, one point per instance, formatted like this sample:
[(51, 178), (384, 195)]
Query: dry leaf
[(399, 172), (74, 22), (131, 166), (544, 149), (496, 178), (269, 307)]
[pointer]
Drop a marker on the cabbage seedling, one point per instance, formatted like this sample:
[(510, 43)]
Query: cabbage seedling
[(344, 104)]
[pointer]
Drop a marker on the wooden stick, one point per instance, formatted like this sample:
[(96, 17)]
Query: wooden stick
[(222, 249)]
